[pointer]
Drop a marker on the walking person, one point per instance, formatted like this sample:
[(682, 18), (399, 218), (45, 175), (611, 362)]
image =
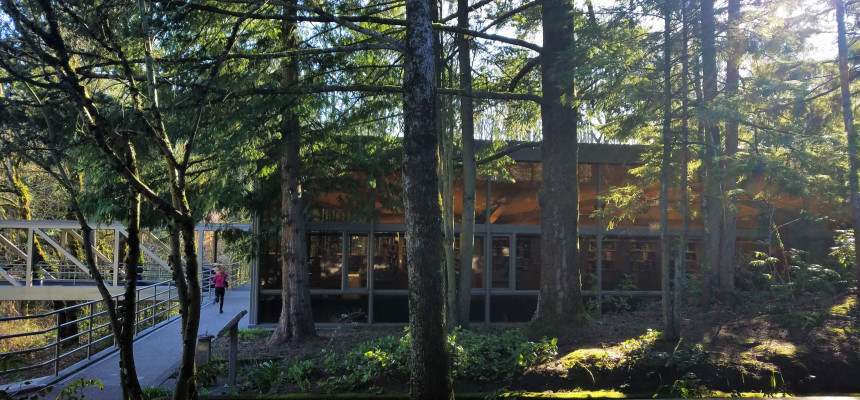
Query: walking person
[(221, 285)]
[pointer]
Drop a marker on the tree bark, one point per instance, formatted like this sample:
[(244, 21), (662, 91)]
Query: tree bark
[(729, 243), (665, 269), (681, 257), (296, 319), (851, 132), (711, 203), (186, 385), (560, 296), (467, 126), (430, 376), (127, 369)]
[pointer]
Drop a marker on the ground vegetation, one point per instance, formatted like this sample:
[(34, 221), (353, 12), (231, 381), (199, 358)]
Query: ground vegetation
[(811, 347)]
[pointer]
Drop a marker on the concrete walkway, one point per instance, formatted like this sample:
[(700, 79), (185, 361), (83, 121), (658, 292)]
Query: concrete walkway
[(156, 355)]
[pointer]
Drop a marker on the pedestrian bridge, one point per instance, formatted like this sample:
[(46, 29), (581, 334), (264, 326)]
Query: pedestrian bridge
[(42, 260)]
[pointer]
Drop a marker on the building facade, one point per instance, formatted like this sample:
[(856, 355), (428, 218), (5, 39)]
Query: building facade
[(358, 270)]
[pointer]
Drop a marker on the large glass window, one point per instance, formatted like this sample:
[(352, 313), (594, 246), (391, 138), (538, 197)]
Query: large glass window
[(612, 268), (588, 262), (520, 308), (528, 262), (645, 265), (391, 308), (477, 260), (325, 260), (501, 274), (513, 200), (631, 264), (357, 262), (340, 309), (389, 261)]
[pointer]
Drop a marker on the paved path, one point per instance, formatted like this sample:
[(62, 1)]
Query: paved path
[(157, 355)]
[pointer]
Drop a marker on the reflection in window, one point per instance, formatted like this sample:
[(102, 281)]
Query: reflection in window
[(357, 262), (501, 262), (325, 261), (588, 262), (514, 202), (477, 260), (644, 264), (389, 261), (528, 262)]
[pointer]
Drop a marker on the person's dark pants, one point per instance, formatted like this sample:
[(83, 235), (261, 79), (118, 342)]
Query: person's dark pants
[(219, 298)]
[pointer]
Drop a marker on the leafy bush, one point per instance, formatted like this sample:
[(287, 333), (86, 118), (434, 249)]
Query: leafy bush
[(621, 303), (299, 373), (643, 352), (844, 249), (689, 387), (490, 357), (799, 276), (75, 389), (368, 362), (264, 376), (207, 374), (476, 356)]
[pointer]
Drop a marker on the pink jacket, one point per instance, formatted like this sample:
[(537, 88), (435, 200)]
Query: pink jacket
[(220, 280)]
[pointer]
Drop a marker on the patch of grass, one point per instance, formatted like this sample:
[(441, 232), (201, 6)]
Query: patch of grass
[(846, 306), (799, 319), (578, 394), (153, 392), (777, 348), (253, 333), (592, 356)]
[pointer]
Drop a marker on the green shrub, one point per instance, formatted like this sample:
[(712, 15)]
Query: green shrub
[(490, 357), (689, 386), (476, 356), (369, 362), (264, 376), (299, 373), (153, 392), (621, 303), (207, 374)]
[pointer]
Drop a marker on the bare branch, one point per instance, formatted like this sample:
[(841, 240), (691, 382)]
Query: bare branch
[(534, 62), (511, 13)]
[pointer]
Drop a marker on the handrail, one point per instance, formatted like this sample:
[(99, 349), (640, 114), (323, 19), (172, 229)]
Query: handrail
[(159, 311), (155, 304)]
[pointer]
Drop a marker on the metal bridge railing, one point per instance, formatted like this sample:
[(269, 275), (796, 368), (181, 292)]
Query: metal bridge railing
[(155, 304), (71, 274)]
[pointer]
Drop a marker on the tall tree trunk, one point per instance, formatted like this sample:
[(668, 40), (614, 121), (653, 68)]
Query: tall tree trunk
[(121, 326), (296, 319), (430, 376), (444, 125), (851, 132), (665, 269), (711, 204), (127, 369), (681, 257), (186, 385), (729, 242), (452, 319), (560, 297), (467, 126)]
